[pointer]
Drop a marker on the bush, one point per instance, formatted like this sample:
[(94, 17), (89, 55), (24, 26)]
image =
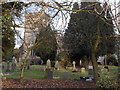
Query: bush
[(63, 57), (106, 82), (113, 60)]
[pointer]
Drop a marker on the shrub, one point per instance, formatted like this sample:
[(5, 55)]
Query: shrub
[(106, 82), (63, 57), (113, 60)]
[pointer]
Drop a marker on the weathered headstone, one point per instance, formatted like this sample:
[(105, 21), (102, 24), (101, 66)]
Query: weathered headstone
[(41, 62), (13, 66), (74, 68), (90, 70), (82, 69), (28, 65), (48, 64), (8, 67), (57, 65), (48, 74)]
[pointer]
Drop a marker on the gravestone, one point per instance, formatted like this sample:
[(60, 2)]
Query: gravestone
[(48, 64), (82, 69), (57, 65), (90, 70), (41, 62), (48, 74), (13, 66), (28, 65), (80, 62), (8, 67), (74, 68)]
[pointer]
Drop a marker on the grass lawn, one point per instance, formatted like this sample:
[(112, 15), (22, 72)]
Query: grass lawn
[(37, 72)]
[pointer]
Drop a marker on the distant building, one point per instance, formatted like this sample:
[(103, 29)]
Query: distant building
[(34, 23)]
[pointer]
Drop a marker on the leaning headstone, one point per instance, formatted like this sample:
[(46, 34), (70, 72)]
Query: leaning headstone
[(48, 74), (57, 65), (13, 66), (8, 67), (90, 70), (48, 64), (74, 68), (82, 69)]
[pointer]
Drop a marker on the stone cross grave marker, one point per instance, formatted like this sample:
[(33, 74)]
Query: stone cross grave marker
[(48, 64), (74, 68)]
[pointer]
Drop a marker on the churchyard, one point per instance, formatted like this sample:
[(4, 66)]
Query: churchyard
[(60, 44), (39, 71), (11, 71)]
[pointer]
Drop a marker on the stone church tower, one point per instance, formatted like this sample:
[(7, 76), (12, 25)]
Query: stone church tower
[(34, 23)]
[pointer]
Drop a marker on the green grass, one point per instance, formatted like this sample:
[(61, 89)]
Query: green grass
[(37, 72), (113, 74)]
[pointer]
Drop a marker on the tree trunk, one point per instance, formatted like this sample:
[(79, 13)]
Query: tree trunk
[(93, 53), (95, 67)]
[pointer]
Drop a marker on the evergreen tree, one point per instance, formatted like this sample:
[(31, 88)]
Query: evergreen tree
[(8, 39), (88, 34), (48, 47)]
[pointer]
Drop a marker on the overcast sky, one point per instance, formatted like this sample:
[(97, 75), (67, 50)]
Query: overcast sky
[(60, 22)]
